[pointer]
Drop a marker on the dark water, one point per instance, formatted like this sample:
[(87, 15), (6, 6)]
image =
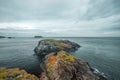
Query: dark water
[(102, 53)]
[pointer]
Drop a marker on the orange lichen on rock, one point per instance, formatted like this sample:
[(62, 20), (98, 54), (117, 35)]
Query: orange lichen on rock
[(52, 59), (51, 63)]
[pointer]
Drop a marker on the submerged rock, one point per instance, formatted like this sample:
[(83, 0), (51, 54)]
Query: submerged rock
[(63, 66), (47, 46), (16, 74)]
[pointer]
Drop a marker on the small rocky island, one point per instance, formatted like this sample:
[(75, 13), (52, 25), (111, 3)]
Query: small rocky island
[(38, 37), (56, 64)]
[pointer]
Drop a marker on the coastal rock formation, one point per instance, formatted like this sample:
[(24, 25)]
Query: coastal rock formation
[(47, 46), (56, 64), (63, 66), (59, 65), (16, 74)]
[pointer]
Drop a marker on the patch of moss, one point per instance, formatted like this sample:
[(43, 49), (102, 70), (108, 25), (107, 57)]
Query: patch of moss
[(53, 40), (61, 45), (67, 58)]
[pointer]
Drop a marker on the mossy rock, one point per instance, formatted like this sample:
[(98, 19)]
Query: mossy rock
[(16, 74), (63, 66), (47, 46)]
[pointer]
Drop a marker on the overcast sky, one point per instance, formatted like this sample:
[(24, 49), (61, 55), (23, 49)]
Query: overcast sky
[(73, 18)]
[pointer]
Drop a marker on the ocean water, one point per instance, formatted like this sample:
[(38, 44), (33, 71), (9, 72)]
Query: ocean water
[(101, 53)]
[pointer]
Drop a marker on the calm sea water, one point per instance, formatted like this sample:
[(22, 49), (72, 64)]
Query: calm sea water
[(101, 53)]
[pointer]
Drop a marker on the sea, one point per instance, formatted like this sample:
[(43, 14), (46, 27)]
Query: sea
[(102, 53)]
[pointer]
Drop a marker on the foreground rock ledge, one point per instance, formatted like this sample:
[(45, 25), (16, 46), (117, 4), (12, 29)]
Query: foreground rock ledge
[(62, 66), (47, 46), (16, 74)]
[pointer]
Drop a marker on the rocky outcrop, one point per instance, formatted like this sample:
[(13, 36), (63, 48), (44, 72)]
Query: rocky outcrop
[(16, 74), (56, 64), (47, 46), (63, 66)]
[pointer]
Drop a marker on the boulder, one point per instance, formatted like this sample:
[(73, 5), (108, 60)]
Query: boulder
[(47, 46)]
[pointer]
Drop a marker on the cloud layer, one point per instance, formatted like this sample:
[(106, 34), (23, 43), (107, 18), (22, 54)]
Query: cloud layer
[(78, 18)]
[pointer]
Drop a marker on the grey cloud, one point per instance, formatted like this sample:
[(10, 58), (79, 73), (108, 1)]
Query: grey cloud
[(12, 10), (60, 17), (102, 9)]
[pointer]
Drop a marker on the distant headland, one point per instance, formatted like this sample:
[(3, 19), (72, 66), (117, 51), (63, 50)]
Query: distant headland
[(2, 37), (6, 37)]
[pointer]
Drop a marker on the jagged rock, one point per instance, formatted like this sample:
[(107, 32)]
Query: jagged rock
[(16, 74), (47, 46), (63, 66)]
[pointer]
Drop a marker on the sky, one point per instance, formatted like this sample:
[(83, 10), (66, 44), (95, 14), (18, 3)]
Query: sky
[(60, 18)]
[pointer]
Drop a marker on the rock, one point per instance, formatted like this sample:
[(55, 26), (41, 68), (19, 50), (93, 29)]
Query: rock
[(47, 46), (59, 65), (43, 76), (63, 66), (98, 73), (16, 74)]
